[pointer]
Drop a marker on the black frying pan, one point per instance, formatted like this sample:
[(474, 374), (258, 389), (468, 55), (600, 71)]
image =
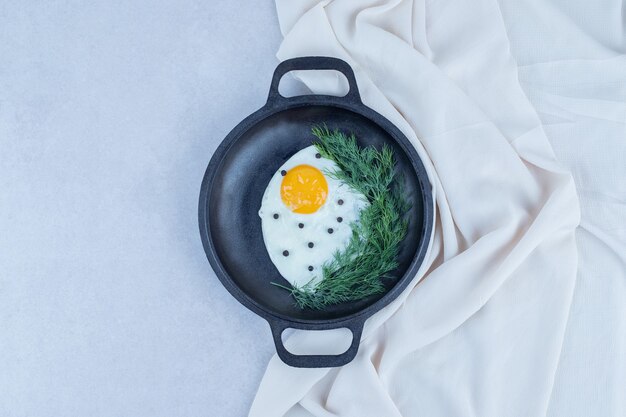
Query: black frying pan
[(235, 181)]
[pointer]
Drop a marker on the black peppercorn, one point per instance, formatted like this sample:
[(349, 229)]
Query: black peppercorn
[(339, 219), (300, 225), (330, 231), (275, 215), (318, 156), (285, 253), (340, 202), (283, 172), (311, 244), (310, 268)]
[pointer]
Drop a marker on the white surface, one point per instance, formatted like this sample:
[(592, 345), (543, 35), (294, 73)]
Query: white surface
[(109, 113)]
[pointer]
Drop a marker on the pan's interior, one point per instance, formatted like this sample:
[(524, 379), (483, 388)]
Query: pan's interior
[(239, 184)]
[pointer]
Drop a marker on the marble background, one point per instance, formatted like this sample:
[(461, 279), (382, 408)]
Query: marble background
[(109, 113)]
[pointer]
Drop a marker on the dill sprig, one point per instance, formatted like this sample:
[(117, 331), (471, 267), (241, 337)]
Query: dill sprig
[(358, 270)]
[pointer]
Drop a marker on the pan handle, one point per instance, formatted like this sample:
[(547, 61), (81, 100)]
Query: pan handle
[(316, 361), (314, 63)]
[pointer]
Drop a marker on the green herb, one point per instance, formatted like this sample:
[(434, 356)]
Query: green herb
[(358, 270)]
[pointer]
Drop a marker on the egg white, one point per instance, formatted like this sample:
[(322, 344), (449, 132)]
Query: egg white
[(284, 234)]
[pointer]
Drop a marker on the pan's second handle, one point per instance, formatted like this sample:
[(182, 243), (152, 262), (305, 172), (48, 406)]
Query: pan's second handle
[(314, 63), (316, 361)]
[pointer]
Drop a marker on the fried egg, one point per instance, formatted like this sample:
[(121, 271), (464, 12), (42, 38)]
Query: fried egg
[(306, 216)]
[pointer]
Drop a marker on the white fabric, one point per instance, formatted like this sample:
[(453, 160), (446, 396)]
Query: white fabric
[(482, 333), (572, 65)]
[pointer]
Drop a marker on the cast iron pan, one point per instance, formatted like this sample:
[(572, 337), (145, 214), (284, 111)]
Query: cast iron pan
[(235, 181)]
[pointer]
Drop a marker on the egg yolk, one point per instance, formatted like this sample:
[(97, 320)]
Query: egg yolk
[(304, 189)]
